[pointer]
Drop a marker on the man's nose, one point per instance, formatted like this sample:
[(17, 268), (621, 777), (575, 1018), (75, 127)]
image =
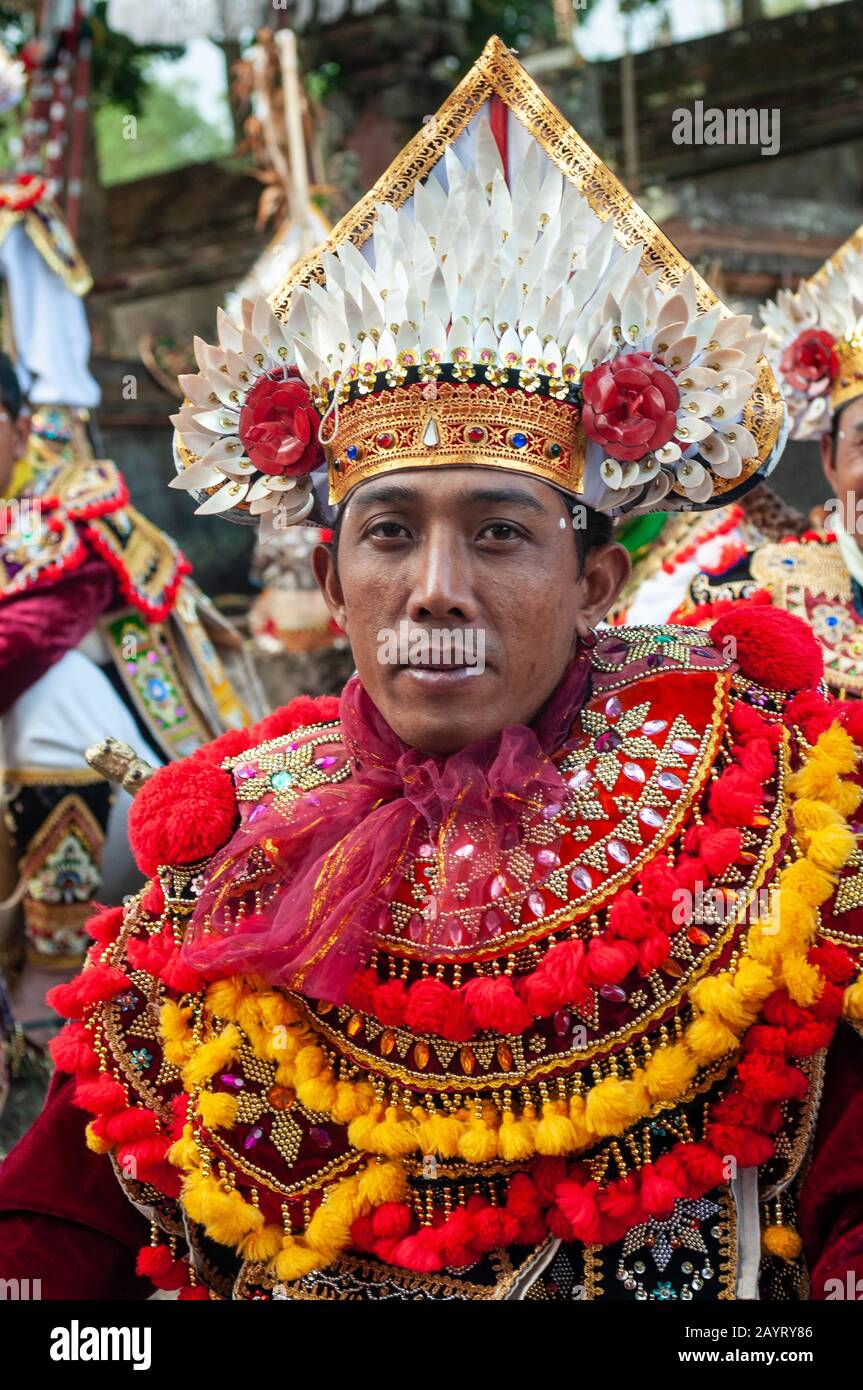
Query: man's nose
[(442, 586)]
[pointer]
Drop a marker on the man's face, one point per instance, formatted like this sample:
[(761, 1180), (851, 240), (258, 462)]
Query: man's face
[(487, 556), (843, 467), (13, 443)]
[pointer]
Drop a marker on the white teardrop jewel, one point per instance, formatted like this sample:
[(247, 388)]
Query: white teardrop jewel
[(431, 434)]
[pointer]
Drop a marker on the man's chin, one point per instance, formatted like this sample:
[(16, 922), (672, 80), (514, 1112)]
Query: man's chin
[(438, 711)]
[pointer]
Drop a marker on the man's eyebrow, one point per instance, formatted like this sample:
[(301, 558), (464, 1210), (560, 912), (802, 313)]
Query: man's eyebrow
[(501, 497), (386, 495), (402, 494)]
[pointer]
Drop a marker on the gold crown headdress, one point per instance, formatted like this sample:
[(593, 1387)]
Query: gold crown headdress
[(815, 340), (496, 299)]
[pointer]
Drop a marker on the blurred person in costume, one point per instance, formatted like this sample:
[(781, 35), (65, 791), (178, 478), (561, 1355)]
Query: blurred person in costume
[(431, 1024), (101, 630), (815, 345)]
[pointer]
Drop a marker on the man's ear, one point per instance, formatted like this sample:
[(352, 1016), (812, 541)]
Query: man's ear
[(21, 435), (606, 570), (828, 461), (327, 579)]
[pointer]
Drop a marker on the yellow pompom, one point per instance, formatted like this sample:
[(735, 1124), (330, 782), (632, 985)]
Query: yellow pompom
[(708, 1038), (183, 1153), (352, 1098), (211, 1057), (94, 1143), (394, 1136), (294, 1260), (797, 917), (318, 1093), (847, 799), (614, 1104), (309, 1062), (217, 1110), (478, 1143), (582, 1133), (781, 1241), (224, 1215), (816, 780), (177, 1041), (812, 884), (555, 1133), (852, 1002), (836, 746), (384, 1182), (831, 847), (437, 1133), (263, 1245), (225, 997), (803, 981), (668, 1072), (753, 983), (814, 815), (515, 1140), (329, 1231), (717, 998), (361, 1130)]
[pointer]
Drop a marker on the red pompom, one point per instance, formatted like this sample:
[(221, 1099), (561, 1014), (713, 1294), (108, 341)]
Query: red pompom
[(390, 1003), (747, 1146), (153, 900), (493, 1003), (72, 1050), (771, 647), (105, 926), (362, 990), (833, 961), (391, 1220), (494, 1228), (609, 961), (719, 849), (102, 1096), (154, 1261), (558, 980), (658, 1193), (735, 797), (185, 812), (577, 1201), (198, 1294), (435, 1008), (128, 1126)]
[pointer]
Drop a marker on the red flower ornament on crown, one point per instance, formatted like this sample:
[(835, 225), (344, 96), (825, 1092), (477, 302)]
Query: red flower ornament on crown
[(810, 363), (279, 426), (630, 406), (249, 430)]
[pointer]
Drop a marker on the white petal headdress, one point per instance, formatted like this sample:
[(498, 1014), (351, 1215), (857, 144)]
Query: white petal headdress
[(815, 340), (496, 299)]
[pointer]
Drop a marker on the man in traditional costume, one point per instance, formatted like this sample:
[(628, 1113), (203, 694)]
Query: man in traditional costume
[(815, 347), (101, 630), (408, 1008)]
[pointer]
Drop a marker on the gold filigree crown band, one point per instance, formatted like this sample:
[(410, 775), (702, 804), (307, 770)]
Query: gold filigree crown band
[(449, 424), (848, 381)]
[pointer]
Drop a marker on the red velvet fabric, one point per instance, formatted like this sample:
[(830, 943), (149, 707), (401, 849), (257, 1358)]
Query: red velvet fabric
[(831, 1202), (38, 627), (65, 1220)]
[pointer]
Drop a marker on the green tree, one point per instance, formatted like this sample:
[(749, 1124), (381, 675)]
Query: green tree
[(168, 133)]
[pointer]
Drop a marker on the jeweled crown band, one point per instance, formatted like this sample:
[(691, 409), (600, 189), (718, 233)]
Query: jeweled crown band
[(456, 424), (848, 381)]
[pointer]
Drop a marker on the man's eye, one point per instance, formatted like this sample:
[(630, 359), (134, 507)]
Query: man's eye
[(388, 530), (500, 531)]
